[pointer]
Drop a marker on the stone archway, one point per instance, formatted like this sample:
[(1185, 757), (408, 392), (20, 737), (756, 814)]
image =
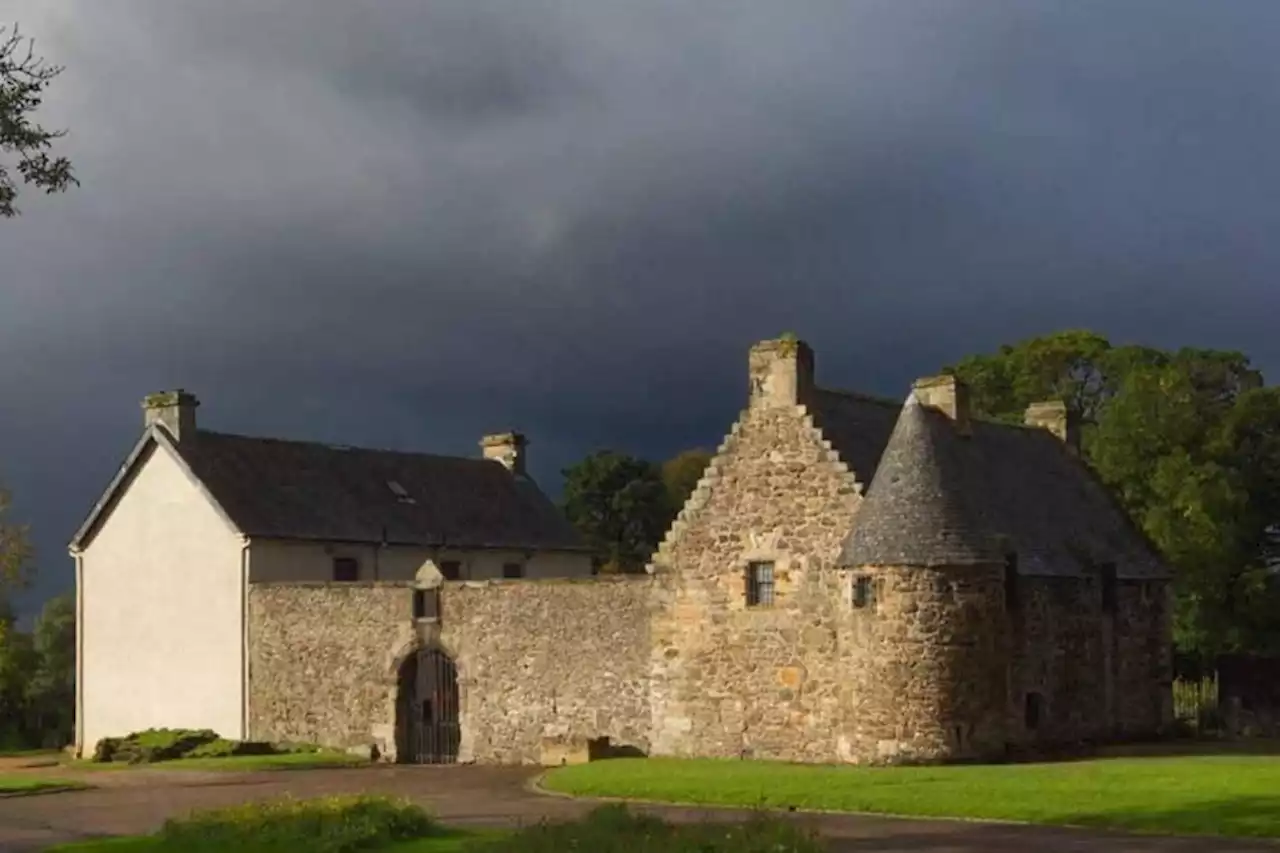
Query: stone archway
[(428, 726)]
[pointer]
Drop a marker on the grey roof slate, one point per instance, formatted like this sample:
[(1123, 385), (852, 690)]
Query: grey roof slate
[(917, 511), (1014, 485), (302, 490)]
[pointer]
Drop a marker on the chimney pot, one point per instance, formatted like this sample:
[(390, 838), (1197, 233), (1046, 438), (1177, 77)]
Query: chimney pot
[(781, 372), (174, 410), (507, 448), (1057, 418), (949, 395)]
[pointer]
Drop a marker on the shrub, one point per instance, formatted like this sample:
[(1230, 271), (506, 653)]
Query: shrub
[(223, 748), (330, 825), (153, 745), (614, 829)]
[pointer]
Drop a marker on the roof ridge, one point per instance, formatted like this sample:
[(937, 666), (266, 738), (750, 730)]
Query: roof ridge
[(880, 400), (337, 447), (861, 396)]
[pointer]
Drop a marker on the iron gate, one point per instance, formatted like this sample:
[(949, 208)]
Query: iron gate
[(433, 730)]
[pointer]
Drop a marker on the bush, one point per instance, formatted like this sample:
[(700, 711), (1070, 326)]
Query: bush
[(330, 825), (223, 748), (153, 745), (614, 829)]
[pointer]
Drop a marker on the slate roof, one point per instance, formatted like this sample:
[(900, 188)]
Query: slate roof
[(302, 490), (917, 511), (937, 496)]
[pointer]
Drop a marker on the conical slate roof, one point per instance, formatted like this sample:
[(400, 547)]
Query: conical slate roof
[(918, 511)]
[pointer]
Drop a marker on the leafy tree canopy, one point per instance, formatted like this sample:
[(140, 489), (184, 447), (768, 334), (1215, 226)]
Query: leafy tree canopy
[(620, 506), (680, 475), (23, 79)]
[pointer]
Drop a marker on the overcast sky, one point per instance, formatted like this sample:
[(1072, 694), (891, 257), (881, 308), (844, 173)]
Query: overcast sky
[(405, 223)]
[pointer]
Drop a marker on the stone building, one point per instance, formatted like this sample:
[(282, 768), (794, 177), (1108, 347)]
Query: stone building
[(201, 533), (853, 580)]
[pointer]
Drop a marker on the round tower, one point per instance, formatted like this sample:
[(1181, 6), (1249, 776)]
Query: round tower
[(929, 676)]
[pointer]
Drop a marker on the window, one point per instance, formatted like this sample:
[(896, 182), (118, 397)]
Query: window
[(402, 494), (1034, 711), (346, 569), (512, 570), (1108, 572), (759, 584), (426, 603), (864, 592), (451, 570), (1011, 581)]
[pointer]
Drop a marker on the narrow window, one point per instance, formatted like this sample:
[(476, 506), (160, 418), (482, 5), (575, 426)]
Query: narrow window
[(1034, 711), (1108, 572), (512, 570), (451, 570), (346, 569), (1011, 581), (864, 592), (760, 584), (426, 603)]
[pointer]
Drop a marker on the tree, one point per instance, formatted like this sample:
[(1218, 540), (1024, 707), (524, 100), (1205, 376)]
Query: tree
[(15, 552), (680, 476), (1189, 441), (51, 690), (619, 504), (23, 78)]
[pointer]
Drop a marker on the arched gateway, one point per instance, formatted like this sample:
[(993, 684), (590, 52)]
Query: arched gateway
[(427, 726)]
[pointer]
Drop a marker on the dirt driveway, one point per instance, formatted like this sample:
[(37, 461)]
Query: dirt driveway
[(133, 802)]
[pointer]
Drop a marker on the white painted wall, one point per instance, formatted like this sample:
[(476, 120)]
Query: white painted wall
[(161, 624), (289, 561)]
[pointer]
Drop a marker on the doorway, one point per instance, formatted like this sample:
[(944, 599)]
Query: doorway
[(427, 724)]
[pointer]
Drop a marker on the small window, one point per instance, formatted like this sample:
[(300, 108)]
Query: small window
[(426, 603), (1108, 572), (1034, 711), (1011, 581), (512, 570), (864, 592), (402, 494), (346, 569), (760, 584), (451, 570)]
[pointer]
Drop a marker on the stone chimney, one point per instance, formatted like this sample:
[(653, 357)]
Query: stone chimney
[(948, 395), (781, 372), (1054, 416), (507, 448), (174, 410)]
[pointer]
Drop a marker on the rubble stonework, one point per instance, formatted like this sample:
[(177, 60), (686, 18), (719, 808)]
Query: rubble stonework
[(323, 661), (535, 658), (729, 679), (981, 625), (564, 659)]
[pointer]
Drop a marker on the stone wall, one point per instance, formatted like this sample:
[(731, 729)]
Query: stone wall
[(1098, 676), (929, 678), (1059, 663), (535, 658), (323, 661), (553, 658), (731, 680), (1144, 658)]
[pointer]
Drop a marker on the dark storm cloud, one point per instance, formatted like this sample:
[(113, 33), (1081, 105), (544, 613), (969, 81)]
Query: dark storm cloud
[(405, 223)]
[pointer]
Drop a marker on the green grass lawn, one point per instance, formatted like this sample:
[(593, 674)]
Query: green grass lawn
[(1235, 795), (32, 784), (241, 763), (453, 842)]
